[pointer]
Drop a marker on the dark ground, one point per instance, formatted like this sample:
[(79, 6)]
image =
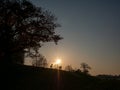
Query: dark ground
[(17, 77)]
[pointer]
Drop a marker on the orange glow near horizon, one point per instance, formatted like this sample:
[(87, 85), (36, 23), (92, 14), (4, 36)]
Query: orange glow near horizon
[(58, 61)]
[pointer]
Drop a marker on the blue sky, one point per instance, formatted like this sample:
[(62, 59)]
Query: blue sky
[(91, 32)]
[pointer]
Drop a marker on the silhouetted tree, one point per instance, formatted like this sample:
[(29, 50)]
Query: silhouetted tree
[(69, 68), (60, 67), (23, 29), (51, 66), (39, 61), (85, 68)]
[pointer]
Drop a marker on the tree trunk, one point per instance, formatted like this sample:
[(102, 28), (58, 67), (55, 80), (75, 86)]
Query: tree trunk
[(12, 58)]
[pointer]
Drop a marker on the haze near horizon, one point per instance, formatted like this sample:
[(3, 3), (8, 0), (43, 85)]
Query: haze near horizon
[(91, 32)]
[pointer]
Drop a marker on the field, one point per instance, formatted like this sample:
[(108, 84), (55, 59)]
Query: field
[(20, 77)]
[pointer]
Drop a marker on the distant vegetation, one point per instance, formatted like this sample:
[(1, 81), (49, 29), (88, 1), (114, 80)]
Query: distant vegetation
[(84, 68)]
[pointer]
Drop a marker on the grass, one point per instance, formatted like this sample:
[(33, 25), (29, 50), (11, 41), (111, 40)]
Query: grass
[(20, 77)]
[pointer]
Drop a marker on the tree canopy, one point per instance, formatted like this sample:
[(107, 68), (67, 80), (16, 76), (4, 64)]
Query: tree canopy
[(24, 27)]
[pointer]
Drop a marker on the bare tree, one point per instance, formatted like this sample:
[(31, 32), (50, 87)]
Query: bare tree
[(39, 61), (85, 68), (69, 68)]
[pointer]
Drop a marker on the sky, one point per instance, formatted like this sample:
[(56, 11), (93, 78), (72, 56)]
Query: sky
[(91, 32)]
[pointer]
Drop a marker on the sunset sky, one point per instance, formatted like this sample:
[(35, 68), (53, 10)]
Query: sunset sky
[(91, 32)]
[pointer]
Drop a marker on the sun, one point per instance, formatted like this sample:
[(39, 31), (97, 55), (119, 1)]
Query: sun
[(58, 61)]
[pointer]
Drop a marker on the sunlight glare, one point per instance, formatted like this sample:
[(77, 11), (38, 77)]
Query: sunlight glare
[(58, 61)]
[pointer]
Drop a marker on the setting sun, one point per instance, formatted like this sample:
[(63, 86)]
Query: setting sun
[(58, 61)]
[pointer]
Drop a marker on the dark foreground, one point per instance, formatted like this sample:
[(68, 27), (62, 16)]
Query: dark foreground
[(19, 77)]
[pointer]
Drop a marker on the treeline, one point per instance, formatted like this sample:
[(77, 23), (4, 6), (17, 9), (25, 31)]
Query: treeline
[(108, 77), (39, 60)]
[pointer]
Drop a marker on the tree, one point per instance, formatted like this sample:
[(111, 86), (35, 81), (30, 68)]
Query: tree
[(60, 67), (39, 61), (51, 65), (23, 29), (85, 68), (69, 68)]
